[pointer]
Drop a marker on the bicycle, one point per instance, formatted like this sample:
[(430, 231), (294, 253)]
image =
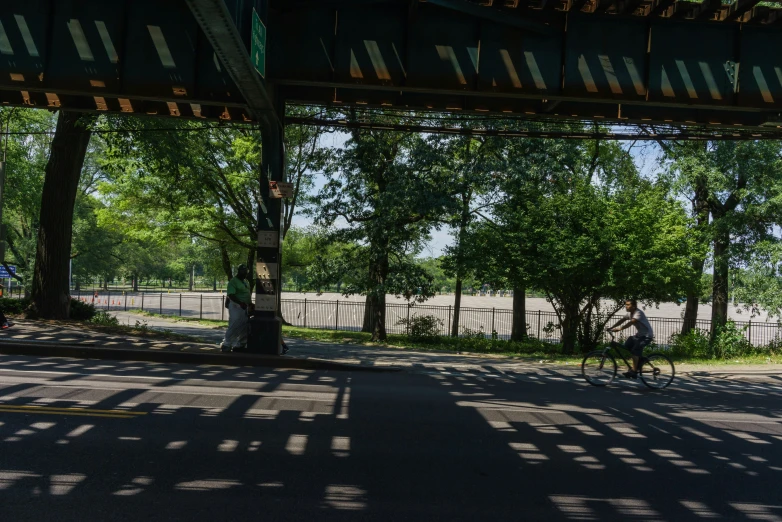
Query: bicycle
[(599, 367)]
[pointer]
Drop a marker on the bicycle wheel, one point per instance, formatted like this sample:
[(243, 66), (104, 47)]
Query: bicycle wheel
[(598, 368), (657, 371)]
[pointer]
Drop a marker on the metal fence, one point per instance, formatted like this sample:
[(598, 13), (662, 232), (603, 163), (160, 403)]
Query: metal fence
[(349, 316)]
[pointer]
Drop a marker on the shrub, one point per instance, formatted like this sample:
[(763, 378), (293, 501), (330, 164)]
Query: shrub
[(730, 342), (81, 311), (423, 328), (469, 333), (694, 343), (104, 318), (13, 306)]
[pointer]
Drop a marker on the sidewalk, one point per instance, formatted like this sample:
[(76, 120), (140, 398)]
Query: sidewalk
[(74, 341)]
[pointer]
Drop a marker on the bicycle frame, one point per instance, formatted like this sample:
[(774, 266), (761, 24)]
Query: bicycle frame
[(618, 348)]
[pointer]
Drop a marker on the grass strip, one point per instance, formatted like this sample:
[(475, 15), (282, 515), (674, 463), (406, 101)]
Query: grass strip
[(531, 350)]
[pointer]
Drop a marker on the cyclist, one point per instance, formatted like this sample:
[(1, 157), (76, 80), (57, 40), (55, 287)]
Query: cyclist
[(643, 334)]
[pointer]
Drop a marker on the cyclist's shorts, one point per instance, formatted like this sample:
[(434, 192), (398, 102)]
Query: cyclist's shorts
[(636, 344)]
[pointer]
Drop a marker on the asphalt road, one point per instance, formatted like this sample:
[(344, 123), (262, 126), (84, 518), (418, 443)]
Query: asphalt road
[(96, 440)]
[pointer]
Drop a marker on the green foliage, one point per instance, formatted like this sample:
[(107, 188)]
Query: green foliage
[(481, 344), (423, 328), (13, 306), (735, 189), (81, 311), (469, 333), (730, 342), (695, 343), (585, 244), (104, 318)]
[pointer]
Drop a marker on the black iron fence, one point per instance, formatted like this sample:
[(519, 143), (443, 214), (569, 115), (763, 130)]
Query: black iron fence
[(349, 316)]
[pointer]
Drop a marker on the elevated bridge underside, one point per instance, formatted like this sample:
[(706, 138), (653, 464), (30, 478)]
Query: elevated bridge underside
[(711, 65), (614, 61)]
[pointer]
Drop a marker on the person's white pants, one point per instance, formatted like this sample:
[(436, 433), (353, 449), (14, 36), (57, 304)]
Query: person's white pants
[(236, 333)]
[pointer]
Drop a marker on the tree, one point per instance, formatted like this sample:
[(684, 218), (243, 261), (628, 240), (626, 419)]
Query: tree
[(759, 284), (469, 161), (579, 224), (51, 292), (27, 153), (306, 156), (384, 191), (738, 185)]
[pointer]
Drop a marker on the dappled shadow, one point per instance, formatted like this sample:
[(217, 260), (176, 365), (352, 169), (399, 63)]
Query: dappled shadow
[(211, 442)]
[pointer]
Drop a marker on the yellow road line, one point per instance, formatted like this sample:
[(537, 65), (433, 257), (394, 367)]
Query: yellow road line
[(74, 414), (77, 412), (70, 408)]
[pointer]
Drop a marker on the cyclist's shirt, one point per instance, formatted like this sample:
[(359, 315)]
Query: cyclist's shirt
[(642, 326)]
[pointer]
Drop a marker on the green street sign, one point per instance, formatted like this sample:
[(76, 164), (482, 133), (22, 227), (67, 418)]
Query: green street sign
[(258, 46)]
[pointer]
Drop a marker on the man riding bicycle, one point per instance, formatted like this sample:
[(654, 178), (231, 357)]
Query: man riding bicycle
[(644, 334)]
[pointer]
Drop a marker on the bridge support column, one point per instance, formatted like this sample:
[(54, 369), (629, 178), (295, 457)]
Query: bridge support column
[(265, 335)]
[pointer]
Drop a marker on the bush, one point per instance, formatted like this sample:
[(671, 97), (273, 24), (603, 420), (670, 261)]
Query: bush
[(694, 343), (13, 306), (730, 342), (423, 328), (104, 318), (81, 311), (469, 333)]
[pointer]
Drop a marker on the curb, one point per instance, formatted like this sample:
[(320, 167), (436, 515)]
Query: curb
[(54, 349)]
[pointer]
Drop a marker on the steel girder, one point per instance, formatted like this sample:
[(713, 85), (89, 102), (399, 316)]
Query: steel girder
[(126, 56), (619, 68)]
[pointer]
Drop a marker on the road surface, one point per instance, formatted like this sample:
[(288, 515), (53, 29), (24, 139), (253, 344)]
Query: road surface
[(97, 440)]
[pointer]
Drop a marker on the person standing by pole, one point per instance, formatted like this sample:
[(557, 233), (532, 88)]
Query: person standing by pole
[(239, 304)]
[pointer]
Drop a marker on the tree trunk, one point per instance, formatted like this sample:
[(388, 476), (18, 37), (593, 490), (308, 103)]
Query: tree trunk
[(225, 261), (105, 284), (368, 324), (375, 310), (135, 283), (569, 328), (519, 329), (51, 293), (719, 305), (463, 222), (457, 306), (78, 286), (701, 210), (190, 285), (214, 285)]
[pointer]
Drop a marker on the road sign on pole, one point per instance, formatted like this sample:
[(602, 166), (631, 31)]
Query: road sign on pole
[(258, 45), (4, 273)]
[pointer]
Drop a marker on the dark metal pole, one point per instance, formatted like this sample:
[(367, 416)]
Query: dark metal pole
[(336, 320), (539, 319), (201, 308)]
